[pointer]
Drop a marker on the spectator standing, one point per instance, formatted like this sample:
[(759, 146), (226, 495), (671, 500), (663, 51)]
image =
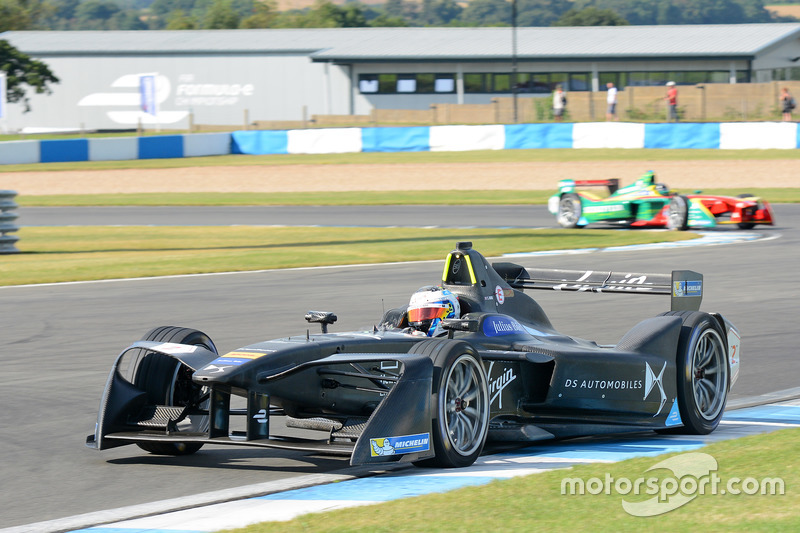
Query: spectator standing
[(787, 104), (611, 100), (672, 101), (559, 103)]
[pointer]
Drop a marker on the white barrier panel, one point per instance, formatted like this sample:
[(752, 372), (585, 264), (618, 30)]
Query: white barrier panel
[(19, 152), (113, 149), (324, 141), (763, 135), (607, 135), (201, 144), (463, 138)]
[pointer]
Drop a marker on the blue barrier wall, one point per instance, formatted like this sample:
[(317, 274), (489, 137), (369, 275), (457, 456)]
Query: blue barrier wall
[(622, 135)]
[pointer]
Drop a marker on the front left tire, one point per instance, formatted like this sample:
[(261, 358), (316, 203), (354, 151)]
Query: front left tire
[(168, 382), (461, 397)]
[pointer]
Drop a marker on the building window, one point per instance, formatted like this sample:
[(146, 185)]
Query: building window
[(368, 83), (406, 83), (444, 83)]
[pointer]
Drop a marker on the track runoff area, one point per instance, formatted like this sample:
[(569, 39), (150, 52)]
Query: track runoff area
[(287, 499), (284, 500)]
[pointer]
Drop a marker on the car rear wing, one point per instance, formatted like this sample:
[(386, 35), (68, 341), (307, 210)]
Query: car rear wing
[(569, 185), (685, 287)]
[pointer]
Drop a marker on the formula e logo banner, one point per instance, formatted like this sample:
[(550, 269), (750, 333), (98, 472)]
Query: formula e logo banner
[(400, 445), (142, 98), (147, 90)]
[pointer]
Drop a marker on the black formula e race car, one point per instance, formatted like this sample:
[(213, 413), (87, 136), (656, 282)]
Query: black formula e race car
[(501, 373)]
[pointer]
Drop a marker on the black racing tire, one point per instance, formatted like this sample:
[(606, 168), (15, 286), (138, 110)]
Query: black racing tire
[(703, 373), (745, 225), (461, 402), (168, 382), (570, 210), (678, 213)]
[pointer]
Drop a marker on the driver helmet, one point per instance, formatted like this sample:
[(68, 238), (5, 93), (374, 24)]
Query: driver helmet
[(429, 306)]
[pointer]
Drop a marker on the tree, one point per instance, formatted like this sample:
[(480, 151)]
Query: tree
[(540, 12), (487, 13), (439, 12), (20, 15), (221, 16), (23, 73), (263, 15), (591, 16)]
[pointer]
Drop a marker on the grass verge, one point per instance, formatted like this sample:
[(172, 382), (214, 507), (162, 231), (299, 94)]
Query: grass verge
[(57, 254), (383, 158), (475, 197), (535, 502)]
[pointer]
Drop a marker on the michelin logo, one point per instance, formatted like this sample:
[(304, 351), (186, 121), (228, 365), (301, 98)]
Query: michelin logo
[(400, 445)]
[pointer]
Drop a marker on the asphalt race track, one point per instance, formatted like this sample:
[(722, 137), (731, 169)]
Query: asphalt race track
[(59, 342)]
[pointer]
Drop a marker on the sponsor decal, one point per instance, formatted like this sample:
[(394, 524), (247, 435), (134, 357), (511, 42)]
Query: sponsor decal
[(687, 288), (674, 416), (245, 355), (230, 361), (400, 445), (603, 208), (500, 295), (456, 265), (733, 346), (651, 381), (603, 384), (498, 326), (499, 383), (171, 347), (214, 369), (628, 282)]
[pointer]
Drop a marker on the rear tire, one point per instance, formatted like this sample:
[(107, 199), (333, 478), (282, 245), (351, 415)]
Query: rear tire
[(745, 225), (703, 375), (168, 382), (570, 210), (678, 213), (461, 397)]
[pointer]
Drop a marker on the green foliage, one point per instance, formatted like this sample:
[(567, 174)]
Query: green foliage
[(23, 73), (264, 15), (17, 15), (221, 16), (591, 16), (487, 13), (199, 14)]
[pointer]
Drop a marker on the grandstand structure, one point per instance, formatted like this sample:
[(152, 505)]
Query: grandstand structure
[(226, 77)]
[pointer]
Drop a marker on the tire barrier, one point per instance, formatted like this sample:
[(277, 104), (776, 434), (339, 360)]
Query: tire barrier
[(7, 218)]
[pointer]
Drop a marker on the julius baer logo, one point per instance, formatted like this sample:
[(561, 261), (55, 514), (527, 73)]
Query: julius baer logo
[(670, 484)]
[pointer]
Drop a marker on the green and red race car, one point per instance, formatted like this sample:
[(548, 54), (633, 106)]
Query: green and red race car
[(646, 203)]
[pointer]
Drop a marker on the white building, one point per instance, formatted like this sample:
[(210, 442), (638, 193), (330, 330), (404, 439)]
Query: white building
[(228, 76)]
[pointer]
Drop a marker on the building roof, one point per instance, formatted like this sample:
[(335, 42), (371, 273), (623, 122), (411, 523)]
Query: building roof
[(420, 44)]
